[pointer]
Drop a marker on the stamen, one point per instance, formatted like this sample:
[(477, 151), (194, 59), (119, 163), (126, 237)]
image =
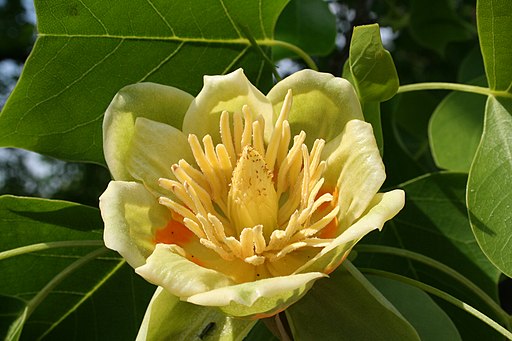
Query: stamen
[(237, 131), (247, 132), (275, 139), (225, 133)]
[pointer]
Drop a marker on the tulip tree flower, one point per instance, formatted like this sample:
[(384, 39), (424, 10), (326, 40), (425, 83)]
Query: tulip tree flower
[(238, 200)]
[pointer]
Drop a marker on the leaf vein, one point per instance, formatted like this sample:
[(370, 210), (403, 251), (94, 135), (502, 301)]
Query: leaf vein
[(230, 18), (161, 16), (94, 16), (164, 61)]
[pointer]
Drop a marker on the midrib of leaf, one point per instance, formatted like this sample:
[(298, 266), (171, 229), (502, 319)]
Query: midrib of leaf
[(193, 40), (201, 40)]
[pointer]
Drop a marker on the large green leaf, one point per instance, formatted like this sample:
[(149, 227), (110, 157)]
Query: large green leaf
[(435, 24), (489, 192), (494, 19), (308, 24), (430, 321), (71, 292), (455, 130), (87, 50), (347, 307), (435, 223)]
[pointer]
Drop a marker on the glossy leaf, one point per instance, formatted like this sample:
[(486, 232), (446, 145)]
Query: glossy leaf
[(359, 310), (435, 223), (308, 24), (435, 24), (430, 321), (494, 19), (455, 130), (371, 71), (490, 185), (87, 50), (370, 67), (92, 300)]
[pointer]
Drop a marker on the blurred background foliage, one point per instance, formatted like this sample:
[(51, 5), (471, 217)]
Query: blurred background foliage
[(430, 40)]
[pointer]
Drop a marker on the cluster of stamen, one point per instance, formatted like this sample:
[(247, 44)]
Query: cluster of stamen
[(249, 200)]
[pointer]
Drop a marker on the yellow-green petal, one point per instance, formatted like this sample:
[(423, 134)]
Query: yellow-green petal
[(153, 101), (354, 162), (260, 298), (322, 104), (381, 208), (154, 148), (228, 92), (168, 318), (131, 215), (181, 277)]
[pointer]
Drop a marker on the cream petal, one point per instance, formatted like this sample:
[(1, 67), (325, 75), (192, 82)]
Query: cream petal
[(168, 318), (260, 298), (322, 104), (153, 101), (154, 148), (228, 92), (131, 215), (382, 208), (354, 162), (181, 277)]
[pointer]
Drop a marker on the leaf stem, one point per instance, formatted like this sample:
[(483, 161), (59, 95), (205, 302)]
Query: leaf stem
[(441, 267), (443, 295), (41, 295), (297, 50), (453, 86), (48, 245)]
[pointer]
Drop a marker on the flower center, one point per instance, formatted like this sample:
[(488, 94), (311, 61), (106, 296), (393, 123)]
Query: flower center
[(252, 200)]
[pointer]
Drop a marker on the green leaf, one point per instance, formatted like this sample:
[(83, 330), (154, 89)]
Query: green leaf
[(12, 317), (308, 24), (347, 307), (370, 67), (435, 215), (455, 129), (371, 71), (494, 21), (490, 185), (87, 50), (435, 223), (430, 321), (168, 318), (434, 24), (88, 300)]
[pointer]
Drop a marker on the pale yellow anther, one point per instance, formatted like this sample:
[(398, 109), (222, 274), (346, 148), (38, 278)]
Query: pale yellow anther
[(247, 132), (225, 133), (248, 200), (237, 132)]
